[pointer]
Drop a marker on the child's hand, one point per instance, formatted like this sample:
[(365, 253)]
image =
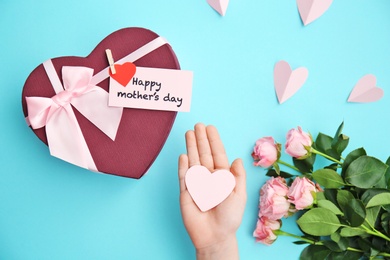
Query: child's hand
[(213, 233)]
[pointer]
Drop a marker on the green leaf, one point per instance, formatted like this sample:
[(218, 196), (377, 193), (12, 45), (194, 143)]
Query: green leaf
[(331, 194), (379, 244), (333, 246), (327, 204), (343, 198), (339, 246), (379, 200), (364, 244), (381, 183), (351, 232), (343, 243), (332, 153), (305, 165), (335, 237), (340, 141), (372, 215), (385, 181), (341, 144), (365, 172), (333, 166), (319, 222), (320, 195), (385, 222), (355, 212), (314, 252), (328, 178), (338, 133), (374, 253), (310, 237), (273, 173), (300, 242), (323, 142), (352, 156), (346, 255), (370, 193)]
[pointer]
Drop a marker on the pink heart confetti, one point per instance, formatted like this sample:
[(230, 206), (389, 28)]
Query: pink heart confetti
[(365, 90), (288, 82), (311, 10), (219, 5), (209, 189)]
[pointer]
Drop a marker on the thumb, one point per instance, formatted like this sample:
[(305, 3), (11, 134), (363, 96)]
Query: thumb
[(238, 171)]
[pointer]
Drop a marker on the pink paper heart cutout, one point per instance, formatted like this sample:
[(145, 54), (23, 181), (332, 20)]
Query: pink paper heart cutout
[(219, 5), (209, 189), (288, 82), (365, 90), (311, 10)]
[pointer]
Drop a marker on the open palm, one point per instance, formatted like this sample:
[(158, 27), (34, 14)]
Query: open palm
[(207, 229)]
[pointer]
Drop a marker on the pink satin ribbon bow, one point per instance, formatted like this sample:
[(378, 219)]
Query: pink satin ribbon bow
[(63, 132), (64, 135)]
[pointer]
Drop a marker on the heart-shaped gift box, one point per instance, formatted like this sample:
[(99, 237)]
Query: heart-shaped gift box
[(141, 134)]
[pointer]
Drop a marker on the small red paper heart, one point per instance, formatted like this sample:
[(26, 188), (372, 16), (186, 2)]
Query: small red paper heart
[(124, 73)]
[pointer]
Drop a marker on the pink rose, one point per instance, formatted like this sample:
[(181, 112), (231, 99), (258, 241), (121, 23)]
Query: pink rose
[(264, 230), (273, 199), (266, 152), (296, 142), (301, 193)]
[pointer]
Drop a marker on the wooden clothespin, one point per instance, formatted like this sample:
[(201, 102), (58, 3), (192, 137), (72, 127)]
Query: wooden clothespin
[(110, 61)]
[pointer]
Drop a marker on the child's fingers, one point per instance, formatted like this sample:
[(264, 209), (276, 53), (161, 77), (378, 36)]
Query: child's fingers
[(217, 148), (192, 149), (183, 167), (238, 171), (202, 141)]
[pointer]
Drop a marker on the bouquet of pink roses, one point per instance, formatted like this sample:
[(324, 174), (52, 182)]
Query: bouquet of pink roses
[(343, 207)]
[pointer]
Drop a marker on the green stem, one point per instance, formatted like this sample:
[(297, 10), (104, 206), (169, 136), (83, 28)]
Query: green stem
[(283, 233), (375, 232), (354, 249), (372, 228), (325, 155), (289, 165)]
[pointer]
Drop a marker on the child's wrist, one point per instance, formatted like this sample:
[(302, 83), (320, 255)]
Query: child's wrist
[(226, 250)]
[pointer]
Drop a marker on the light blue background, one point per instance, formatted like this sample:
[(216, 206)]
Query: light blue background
[(50, 209)]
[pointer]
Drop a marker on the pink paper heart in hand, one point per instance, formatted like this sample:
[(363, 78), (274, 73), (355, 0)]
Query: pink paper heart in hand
[(311, 10), (288, 82), (366, 90), (219, 5), (209, 189)]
